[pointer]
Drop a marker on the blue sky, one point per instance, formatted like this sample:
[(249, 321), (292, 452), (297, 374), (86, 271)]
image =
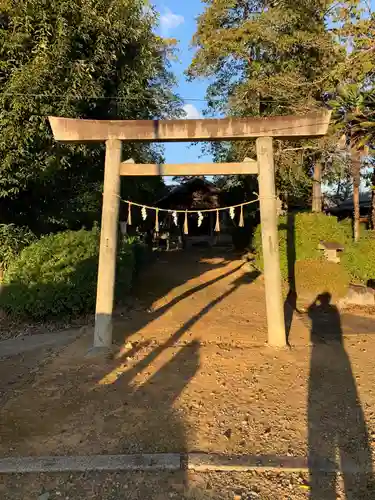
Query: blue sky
[(178, 20)]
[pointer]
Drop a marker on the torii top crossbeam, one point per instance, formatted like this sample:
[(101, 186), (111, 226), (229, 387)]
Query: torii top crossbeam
[(77, 130)]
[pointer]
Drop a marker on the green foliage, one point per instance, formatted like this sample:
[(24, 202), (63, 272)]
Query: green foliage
[(316, 276), (353, 110), (99, 60), (268, 59), (356, 19), (359, 259), (57, 275), (12, 240), (363, 122), (299, 237), (265, 57), (141, 252)]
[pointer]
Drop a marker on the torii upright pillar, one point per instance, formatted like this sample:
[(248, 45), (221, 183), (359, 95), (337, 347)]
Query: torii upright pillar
[(270, 242), (105, 291)]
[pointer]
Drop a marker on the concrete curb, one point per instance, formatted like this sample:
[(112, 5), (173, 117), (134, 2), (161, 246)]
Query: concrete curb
[(28, 343), (263, 463), (142, 462), (199, 462)]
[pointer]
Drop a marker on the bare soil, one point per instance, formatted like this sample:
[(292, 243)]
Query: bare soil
[(161, 486), (193, 373)]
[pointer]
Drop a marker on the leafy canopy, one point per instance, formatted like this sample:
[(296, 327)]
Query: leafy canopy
[(88, 59), (282, 57)]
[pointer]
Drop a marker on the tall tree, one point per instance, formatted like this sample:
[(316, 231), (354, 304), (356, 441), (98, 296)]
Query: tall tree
[(353, 105), (363, 133), (87, 59), (349, 103), (268, 58)]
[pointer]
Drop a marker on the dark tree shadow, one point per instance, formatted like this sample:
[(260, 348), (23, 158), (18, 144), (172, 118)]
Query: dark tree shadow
[(124, 417), (245, 279), (157, 425), (290, 304), (337, 431), (63, 301), (175, 275), (120, 408)]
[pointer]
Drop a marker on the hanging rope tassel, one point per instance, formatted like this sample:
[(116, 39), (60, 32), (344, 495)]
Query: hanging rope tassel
[(186, 227), (156, 221), (217, 225), (241, 223), (129, 214)]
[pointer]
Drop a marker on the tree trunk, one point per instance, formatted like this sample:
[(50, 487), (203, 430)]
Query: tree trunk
[(372, 214), (317, 188), (356, 173)]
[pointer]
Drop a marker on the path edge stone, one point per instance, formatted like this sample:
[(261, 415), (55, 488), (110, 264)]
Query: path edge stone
[(139, 462), (198, 462)]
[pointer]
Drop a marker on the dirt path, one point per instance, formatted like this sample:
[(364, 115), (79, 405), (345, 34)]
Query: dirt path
[(161, 486), (210, 299), (193, 374)]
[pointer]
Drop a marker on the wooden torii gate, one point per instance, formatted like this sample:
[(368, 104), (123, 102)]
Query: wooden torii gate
[(112, 132)]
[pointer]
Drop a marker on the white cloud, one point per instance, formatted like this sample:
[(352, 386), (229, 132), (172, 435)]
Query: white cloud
[(191, 112), (170, 21)]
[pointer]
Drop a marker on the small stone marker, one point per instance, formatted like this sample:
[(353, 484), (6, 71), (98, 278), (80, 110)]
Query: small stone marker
[(331, 250)]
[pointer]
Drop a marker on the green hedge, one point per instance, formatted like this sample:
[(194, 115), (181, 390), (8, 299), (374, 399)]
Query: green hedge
[(359, 258), (142, 253), (300, 234), (13, 239), (313, 277), (57, 275)]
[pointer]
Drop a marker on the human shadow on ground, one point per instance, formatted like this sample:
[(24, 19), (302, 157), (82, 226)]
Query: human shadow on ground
[(336, 422)]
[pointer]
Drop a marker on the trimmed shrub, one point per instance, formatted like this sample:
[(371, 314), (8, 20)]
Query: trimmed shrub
[(141, 252), (57, 276), (242, 237), (314, 276), (359, 259), (299, 237), (13, 239), (346, 226)]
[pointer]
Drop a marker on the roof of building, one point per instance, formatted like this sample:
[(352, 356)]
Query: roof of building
[(348, 205), (193, 194)]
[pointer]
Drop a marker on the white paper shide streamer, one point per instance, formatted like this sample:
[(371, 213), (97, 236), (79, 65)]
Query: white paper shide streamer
[(200, 219), (200, 213), (144, 213), (175, 218)]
